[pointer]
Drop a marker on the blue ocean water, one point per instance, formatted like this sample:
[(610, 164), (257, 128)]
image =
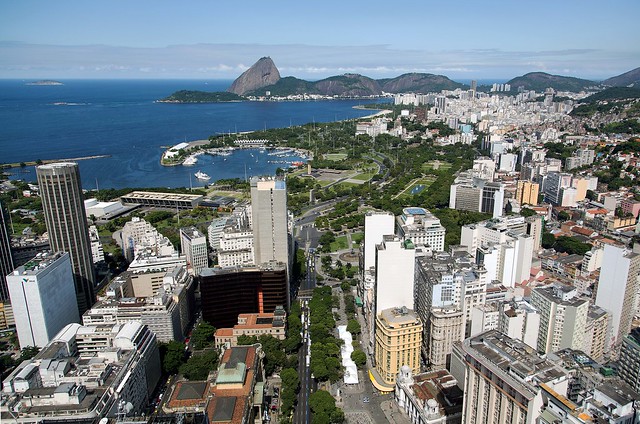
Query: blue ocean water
[(121, 119)]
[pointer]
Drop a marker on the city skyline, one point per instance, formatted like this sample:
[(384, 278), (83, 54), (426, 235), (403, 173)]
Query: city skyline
[(494, 39)]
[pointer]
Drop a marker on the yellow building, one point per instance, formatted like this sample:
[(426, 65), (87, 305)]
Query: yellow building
[(6, 316), (527, 193), (398, 341)]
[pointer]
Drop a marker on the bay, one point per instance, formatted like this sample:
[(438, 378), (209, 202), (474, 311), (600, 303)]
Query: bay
[(121, 118)]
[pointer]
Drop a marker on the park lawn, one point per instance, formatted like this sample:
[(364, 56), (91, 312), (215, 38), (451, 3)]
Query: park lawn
[(348, 185), (323, 182), (336, 157), (363, 177), (443, 166), (357, 237), (339, 244)]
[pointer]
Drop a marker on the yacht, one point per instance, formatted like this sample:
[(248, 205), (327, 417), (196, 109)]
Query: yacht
[(202, 176)]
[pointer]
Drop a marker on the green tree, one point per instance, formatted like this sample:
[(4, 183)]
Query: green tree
[(563, 216), (199, 365), (203, 335), (548, 240), (353, 326), (359, 357), (323, 408), (173, 355), (28, 352)]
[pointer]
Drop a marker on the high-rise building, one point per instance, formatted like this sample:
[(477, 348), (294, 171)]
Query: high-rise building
[(629, 363), (519, 320), (617, 290), (376, 225), (43, 298), (6, 257), (66, 220), (504, 379), (270, 222), (563, 318), (395, 262), (398, 339), (194, 247)]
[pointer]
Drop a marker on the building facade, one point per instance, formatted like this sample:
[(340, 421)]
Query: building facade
[(397, 342), (43, 298), (66, 221), (194, 248), (6, 256)]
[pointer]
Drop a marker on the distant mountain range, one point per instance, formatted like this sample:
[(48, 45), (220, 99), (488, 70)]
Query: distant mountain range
[(263, 77)]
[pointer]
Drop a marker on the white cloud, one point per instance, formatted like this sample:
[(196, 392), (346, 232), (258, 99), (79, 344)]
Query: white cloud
[(215, 61)]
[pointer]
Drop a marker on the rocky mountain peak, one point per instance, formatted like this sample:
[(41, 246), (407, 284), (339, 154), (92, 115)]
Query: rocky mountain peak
[(261, 74)]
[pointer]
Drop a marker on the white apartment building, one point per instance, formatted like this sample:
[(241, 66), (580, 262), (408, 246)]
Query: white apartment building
[(83, 373), (519, 320), (236, 246), (215, 230), (395, 264), (97, 252), (421, 227), (563, 318), (43, 298), (194, 247), (138, 235), (617, 291), (167, 312), (376, 225)]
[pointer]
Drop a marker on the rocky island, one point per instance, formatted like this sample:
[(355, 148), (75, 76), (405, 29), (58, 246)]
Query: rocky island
[(190, 96)]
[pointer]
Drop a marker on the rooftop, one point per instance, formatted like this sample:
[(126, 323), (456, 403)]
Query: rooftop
[(40, 262)]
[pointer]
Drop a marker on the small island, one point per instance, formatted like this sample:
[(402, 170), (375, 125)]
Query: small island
[(45, 82), (190, 96)]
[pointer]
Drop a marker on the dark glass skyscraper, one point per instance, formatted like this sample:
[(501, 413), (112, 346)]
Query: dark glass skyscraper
[(66, 220), (6, 258)]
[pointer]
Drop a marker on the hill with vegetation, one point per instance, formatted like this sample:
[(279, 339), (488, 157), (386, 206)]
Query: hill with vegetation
[(610, 100), (419, 83), (540, 81), (190, 96), (628, 79)]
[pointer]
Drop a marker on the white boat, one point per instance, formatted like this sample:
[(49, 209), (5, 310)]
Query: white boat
[(202, 176), (191, 160)]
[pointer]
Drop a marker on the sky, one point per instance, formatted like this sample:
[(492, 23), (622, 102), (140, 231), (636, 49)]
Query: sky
[(219, 39)]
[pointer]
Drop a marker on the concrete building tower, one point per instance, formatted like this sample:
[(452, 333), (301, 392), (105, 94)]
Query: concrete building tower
[(66, 220), (42, 297), (6, 258), (270, 220), (194, 247), (617, 290)]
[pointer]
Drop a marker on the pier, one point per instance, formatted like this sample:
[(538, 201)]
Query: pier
[(43, 161)]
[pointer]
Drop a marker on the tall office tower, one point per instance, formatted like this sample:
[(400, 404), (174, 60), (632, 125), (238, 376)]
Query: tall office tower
[(527, 193), (504, 379), (43, 298), (398, 339), (629, 362), (194, 247), (66, 220), (6, 258), (563, 318), (617, 290), (270, 218), (376, 225)]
